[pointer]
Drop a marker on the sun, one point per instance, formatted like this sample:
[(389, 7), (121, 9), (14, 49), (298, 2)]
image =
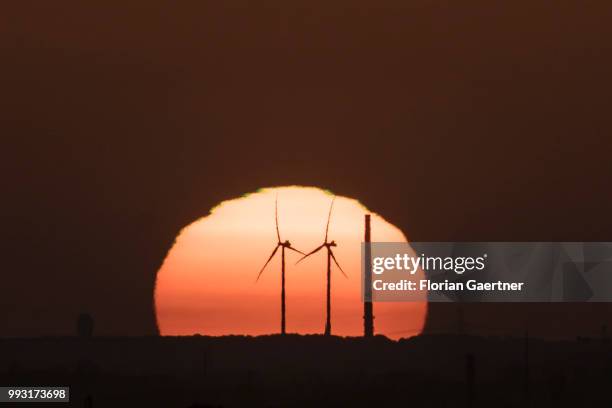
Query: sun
[(207, 283)]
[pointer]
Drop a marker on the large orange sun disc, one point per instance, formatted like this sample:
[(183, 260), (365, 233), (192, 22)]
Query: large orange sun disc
[(207, 283)]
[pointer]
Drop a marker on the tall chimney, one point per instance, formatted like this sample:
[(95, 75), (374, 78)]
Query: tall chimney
[(368, 312)]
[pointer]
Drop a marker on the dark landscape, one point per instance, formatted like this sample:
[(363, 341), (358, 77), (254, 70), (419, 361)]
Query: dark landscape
[(273, 371)]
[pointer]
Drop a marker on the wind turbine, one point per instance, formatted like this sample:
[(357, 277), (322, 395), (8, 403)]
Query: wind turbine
[(330, 256), (283, 245)]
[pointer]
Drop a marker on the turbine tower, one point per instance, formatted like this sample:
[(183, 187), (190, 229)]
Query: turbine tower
[(283, 245), (330, 256)]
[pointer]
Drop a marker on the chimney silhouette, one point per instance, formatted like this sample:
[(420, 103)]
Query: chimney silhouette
[(526, 390), (368, 312)]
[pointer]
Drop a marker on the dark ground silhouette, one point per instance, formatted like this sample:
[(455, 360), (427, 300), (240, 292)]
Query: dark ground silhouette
[(271, 371)]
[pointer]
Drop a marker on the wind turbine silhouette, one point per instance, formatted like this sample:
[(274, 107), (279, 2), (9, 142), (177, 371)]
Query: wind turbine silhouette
[(283, 245), (330, 257)]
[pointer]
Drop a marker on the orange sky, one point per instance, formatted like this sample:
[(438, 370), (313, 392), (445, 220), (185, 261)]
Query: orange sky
[(207, 283)]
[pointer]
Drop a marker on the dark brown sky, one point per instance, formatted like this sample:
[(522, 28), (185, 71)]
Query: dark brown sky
[(121, 123)]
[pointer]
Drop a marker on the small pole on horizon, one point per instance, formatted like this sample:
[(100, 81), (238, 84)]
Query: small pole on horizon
[(526, 361), (470, 369), (368, 309)]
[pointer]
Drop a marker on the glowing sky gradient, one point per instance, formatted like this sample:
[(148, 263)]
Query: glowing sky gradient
[(207, 282)]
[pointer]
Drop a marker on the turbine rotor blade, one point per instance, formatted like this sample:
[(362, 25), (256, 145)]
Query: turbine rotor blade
[(337, 264), (329, 217), (296, 250), (267, 262), (310, 253), (276, 217)]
